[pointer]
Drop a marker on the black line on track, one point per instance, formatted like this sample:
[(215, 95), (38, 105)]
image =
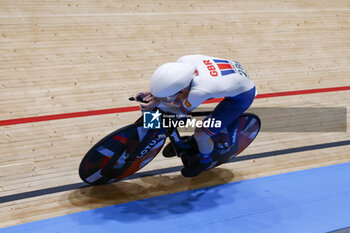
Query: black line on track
[(41, 192)]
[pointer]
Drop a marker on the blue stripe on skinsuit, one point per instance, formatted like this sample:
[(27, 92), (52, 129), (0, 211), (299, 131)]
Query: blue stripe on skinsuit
[(220, 61), (226, 72)]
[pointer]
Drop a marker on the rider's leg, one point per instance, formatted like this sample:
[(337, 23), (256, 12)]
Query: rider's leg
[(205, 145), (227, 111)]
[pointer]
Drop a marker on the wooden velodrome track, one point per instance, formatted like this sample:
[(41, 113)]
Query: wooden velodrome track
[(74, 56)]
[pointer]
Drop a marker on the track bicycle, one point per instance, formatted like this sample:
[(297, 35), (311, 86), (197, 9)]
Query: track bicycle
[(130, 148)]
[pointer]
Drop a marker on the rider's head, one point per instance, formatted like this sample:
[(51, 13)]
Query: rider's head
[(171, 78)]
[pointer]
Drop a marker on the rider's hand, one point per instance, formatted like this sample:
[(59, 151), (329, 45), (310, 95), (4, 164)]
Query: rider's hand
[(152, 101), (142, 95)]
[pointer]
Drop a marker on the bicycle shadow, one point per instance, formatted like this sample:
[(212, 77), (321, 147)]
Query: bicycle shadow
[(147, 197), (172, 199)]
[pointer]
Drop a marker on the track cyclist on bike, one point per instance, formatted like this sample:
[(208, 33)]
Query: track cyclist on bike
[(183, 85)]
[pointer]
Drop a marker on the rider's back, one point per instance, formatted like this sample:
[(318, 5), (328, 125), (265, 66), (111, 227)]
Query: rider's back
[(215, 77)]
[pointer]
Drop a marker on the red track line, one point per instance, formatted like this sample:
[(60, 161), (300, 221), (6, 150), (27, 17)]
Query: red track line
[(68, 115), (137, 108), (303, 92)]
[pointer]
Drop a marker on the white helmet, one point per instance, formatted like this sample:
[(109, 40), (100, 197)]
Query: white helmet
[(170, 78)]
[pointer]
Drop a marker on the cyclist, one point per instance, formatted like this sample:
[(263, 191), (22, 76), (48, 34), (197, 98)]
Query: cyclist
[(181, 86)]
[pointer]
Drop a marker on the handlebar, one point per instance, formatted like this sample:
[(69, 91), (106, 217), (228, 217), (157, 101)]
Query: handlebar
[(139, 99)]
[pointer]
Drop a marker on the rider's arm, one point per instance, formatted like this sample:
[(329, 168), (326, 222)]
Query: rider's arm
[(185, 103), (149, 101), (194, 99), (168, 107)]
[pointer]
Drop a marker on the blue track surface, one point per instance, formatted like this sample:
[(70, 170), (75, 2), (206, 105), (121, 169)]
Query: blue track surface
[(314, 200)]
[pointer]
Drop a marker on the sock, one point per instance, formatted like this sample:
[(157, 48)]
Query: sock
[(205, 158)]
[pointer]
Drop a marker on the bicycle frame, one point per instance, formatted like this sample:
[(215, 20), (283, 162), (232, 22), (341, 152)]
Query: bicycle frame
[(130, 148), (152, 137)]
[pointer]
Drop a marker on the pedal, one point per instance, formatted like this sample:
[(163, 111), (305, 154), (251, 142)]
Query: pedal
[(222, 146)]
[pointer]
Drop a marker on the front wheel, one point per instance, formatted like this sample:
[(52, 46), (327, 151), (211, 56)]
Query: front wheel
[(120, 154)]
